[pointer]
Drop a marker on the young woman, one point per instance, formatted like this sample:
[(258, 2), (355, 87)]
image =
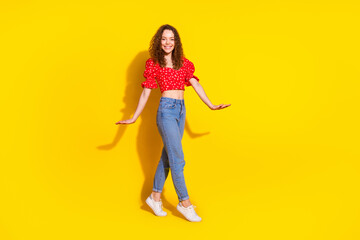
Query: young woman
[(168, 68)]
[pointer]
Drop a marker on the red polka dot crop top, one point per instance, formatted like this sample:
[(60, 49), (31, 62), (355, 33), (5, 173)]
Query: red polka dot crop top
[(168, 78)]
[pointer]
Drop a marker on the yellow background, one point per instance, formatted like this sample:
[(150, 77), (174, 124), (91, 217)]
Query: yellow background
[(281, 163)]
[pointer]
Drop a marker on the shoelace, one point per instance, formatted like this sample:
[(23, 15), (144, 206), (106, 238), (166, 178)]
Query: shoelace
[(191, 210), (158, 205), (190, 207)]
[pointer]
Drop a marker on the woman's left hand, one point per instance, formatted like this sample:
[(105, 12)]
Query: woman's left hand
[(220, 106)]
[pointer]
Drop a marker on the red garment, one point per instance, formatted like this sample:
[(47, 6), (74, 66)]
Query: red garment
[(168, 78)]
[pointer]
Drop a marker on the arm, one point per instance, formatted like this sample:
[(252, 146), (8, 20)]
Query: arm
[(142, 102), (200, 91)]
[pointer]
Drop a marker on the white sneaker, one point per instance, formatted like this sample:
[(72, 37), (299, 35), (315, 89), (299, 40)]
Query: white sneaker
[(189, 213), (156, 206)]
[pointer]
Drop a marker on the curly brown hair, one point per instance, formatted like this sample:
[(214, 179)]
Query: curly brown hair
[(157, 53)]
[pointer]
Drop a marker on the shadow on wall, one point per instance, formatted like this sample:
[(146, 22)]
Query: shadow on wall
[(149, 143)]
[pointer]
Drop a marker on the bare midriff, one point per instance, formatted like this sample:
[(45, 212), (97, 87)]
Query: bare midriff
[(177, 94)]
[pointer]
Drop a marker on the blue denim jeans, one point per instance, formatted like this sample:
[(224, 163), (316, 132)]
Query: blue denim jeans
[(170, 120)]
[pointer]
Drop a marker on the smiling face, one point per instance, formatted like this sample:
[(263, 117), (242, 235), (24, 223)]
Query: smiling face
[(167, 41)]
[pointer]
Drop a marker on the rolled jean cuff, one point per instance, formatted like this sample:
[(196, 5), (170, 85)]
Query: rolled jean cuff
[(184, 198), (155, 190)]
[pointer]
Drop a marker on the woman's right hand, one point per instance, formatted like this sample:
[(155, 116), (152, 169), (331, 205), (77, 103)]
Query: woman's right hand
[(221, 106), (128, 121), (142, 102)]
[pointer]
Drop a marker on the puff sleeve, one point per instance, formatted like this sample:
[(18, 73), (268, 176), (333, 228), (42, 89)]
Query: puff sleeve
[(190, 73), (150, 75)]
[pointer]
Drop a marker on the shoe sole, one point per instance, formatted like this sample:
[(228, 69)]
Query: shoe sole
[(186, 217), (148, 203)]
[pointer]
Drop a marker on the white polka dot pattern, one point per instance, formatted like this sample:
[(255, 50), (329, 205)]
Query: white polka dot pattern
[(168, 78)]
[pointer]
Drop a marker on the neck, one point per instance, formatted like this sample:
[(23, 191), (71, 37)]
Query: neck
[(168, 57)]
